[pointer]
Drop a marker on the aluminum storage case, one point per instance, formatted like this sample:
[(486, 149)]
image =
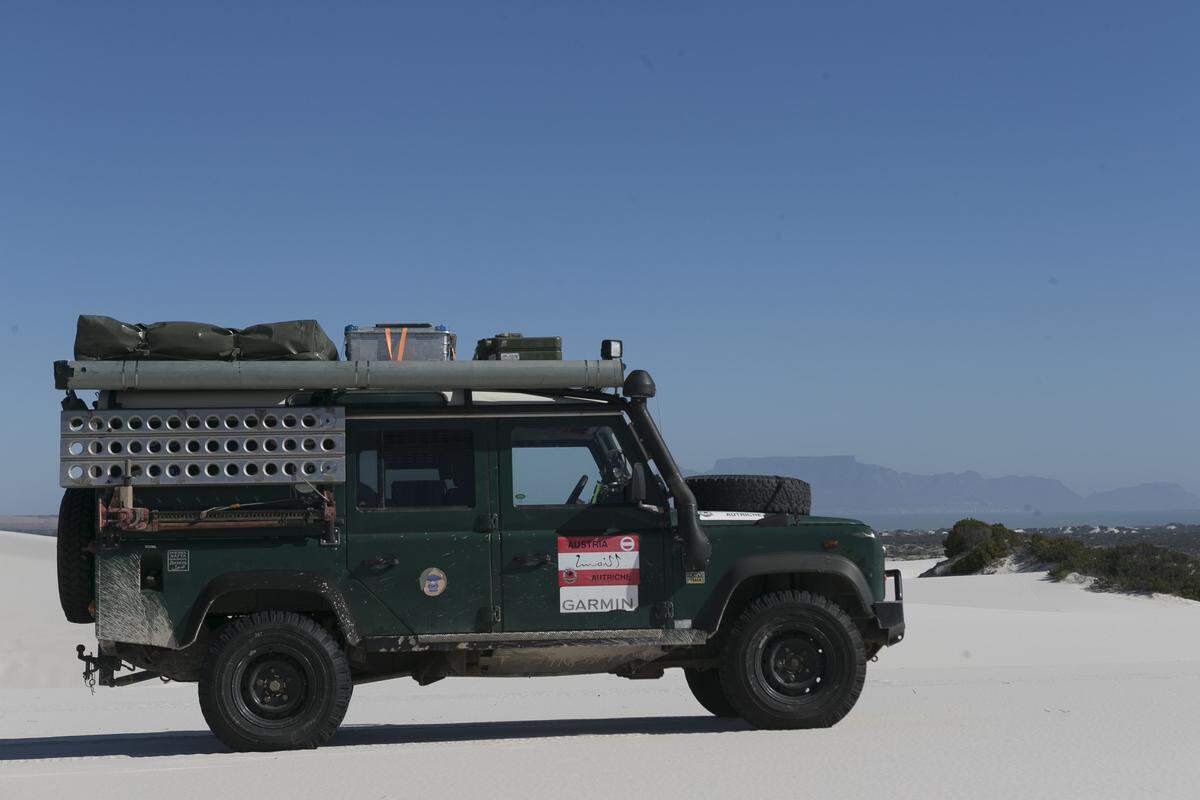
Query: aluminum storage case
[(400, 341)]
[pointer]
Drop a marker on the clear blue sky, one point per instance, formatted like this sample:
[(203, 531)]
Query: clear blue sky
[(939, 236)]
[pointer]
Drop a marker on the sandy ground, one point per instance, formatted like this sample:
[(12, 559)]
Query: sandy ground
[(1008, 686)]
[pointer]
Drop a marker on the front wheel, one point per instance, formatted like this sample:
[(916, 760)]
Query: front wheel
[(274, 680), (793, 660)]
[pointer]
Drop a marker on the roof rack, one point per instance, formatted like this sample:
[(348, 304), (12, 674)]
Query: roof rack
[(427, 375)]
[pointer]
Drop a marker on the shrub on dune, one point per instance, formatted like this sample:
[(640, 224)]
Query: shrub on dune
[(966, 534), (973, 545)]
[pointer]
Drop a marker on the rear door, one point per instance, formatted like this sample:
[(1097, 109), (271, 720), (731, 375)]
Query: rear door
[(420, 532), (575, 554)]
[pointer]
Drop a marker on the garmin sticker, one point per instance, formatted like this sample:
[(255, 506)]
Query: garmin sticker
[(597, 574)]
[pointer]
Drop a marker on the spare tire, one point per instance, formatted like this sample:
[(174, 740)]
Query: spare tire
[(768, 494), (76, 559)]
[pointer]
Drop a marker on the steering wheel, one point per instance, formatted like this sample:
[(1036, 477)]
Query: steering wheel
[(577, 491)]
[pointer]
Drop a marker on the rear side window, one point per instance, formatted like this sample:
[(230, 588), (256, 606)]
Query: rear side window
[(424, 468), (368, 478)]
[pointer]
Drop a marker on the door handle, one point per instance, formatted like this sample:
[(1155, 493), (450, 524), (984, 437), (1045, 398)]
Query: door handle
[(384, 560), (532, 559)]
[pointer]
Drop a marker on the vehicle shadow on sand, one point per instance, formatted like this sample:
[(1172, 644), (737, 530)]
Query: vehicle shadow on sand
[(181, 743)]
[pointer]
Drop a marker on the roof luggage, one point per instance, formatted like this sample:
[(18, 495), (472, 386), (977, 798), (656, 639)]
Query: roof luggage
[(399, 341), (516, 347), (99, 338)]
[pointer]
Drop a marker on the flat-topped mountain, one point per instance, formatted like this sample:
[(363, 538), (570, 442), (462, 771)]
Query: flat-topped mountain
[(843, 484)]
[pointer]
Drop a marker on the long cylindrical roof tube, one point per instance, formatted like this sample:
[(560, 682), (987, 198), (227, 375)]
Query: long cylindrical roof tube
[(405, 375)]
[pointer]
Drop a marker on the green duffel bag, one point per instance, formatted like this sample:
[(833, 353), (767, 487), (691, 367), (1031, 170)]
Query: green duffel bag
[(297, 340), (99, 338), (189, 341)]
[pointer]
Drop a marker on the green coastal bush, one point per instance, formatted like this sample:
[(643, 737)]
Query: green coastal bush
[(980, 544), (965, 534), (1138, 567), (1129, 568)]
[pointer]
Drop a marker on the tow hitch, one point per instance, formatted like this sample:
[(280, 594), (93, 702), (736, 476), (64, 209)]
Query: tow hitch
[(105, 668)]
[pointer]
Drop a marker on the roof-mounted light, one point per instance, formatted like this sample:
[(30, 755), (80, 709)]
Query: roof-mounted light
[(611, 349)]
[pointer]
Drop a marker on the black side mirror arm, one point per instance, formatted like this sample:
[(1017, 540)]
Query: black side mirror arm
[(637, 485)]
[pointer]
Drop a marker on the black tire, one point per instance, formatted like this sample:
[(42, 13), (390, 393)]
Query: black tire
[(706, 688), (76, 560), (274, 680), (768, 494), (793, 660)]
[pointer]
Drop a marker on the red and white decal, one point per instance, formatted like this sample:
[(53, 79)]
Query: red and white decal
[(598, 573)]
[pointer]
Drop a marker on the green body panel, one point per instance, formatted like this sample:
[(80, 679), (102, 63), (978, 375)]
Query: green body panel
[(530, 594), (389, 549), (483, 548), (733, 541), (128, 612)]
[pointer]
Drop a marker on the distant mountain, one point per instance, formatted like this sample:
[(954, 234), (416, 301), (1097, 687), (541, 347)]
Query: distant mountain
[(843, 484), (1144, 497)]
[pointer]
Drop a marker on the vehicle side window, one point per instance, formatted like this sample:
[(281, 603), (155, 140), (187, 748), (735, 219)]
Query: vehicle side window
[(420, 468), (368, 478), (555, 465), (428, 469)]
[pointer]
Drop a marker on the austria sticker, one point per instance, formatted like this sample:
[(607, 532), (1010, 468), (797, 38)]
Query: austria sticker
[(598, 573)]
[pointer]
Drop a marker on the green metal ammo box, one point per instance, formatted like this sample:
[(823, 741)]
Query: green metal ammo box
[(516, 347)]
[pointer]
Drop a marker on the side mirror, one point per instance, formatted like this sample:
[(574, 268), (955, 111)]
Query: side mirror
[(637, 484)]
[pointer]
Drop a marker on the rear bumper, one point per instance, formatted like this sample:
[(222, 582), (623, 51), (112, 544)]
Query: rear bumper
[(889, 614)]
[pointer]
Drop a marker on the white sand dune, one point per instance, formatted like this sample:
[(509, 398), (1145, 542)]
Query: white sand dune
[(1008, 686), (40, 643)]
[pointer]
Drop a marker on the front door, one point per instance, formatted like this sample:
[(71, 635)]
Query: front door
[(575, 553), (420, 531)]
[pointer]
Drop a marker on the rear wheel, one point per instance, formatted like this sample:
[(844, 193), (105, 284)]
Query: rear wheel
[(274, 680), (793, 660), (76, 560), (706, 688)]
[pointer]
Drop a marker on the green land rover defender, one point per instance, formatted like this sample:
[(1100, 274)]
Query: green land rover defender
[(278, 530)]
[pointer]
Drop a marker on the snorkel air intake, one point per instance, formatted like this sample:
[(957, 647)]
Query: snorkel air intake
[(697, 549)]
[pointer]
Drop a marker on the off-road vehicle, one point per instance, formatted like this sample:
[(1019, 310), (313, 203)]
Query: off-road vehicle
[(281, 530)]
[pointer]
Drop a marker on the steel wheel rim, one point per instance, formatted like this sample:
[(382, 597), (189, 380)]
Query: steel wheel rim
[(272, 689), (796, 663)]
